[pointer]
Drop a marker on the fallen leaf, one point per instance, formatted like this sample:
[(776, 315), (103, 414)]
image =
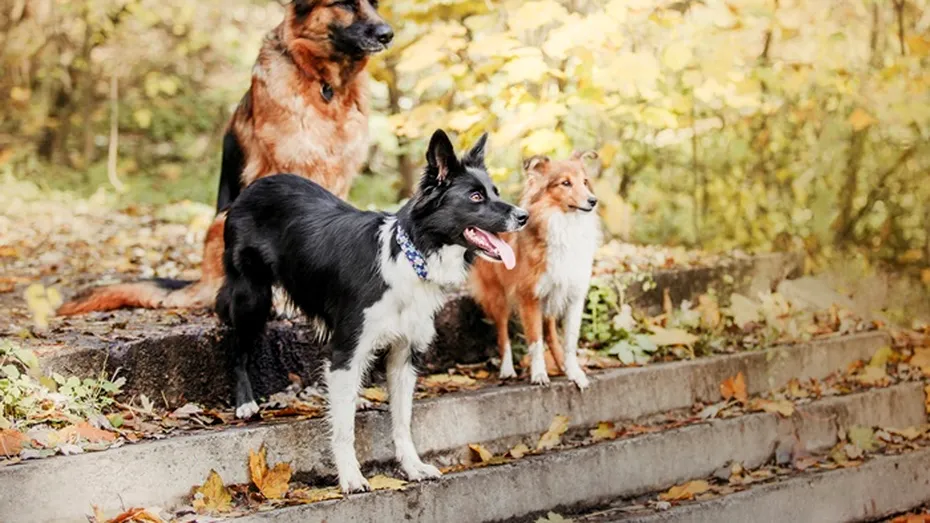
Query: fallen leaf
[(912, 518), (552, 517), (743, 310), (604, 431), (662, 337), (783, 407), (272, 483), (881, 357), (482, 453), (873, 376), (375, 394), (921, 360), (795, 389), (910, 433), (11, 442), (685, 492), (519, 451), (710, 312), (441, 380), (734, 387), (382, 482), (87, 431), (186, 411), (135, 515), (212, 497), (315, 495), (553, 436), (862, 437)]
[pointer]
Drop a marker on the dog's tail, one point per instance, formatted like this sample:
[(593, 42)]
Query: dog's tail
[(149, 294)]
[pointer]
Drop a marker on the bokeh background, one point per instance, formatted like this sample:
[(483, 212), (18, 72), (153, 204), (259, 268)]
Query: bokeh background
[(754, 124)]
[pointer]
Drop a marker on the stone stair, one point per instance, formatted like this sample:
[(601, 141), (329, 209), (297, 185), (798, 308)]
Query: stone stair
[(584, 481)]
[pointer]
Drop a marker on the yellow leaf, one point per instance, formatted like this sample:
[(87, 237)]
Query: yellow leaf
[(461, 121), (519, 451), (212, 497), (20, 94), (544, 141), (910, 433), (872, 375), (686, 491), (553, 436), (535, 14), (734, 387), (662, 337), (375, 394), (276, 481), (482, 453), (783, 407), (382, 482), (859, 119), (446, 380), (710, 312), (315, 495), (604, 431), (880, 358), (258, 467), (918, 45), (143, 118)]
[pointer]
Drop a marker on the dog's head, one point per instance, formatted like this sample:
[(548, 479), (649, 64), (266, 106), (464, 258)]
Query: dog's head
[(350, 28), (458, 204), (563, 185)]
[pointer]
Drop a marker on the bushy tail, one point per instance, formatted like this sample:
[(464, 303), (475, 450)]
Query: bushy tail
[(151, 294)]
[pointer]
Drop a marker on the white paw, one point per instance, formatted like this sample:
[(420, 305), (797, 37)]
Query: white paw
[(507, 370), (578, 377), (247, 410), (354, 482), (419, 471), (539, 376), (362, 403)]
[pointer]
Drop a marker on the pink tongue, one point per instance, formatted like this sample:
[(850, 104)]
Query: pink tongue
[(504, 250)]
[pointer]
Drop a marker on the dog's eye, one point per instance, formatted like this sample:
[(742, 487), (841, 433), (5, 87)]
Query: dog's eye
[(374, 3), (476, 197), (567, 183), (345, 4)]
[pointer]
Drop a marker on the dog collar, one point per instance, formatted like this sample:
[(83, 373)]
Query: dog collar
[(417, 261)]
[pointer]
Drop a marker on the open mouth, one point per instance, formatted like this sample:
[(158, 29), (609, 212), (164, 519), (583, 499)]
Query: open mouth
[(373, 47), (491, 247)]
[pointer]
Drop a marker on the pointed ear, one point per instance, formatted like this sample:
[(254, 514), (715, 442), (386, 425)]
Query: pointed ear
[(537, 164), (584, 155), (475, 156), (440, 156)]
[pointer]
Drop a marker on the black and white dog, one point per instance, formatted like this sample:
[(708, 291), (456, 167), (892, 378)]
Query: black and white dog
[(374, 279)]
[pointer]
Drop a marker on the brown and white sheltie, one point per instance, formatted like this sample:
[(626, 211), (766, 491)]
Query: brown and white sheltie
[(554, 256)]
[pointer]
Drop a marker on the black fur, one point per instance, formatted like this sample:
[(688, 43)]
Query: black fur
[(171, 285), (365, 35), (325, 253), (231, 171)]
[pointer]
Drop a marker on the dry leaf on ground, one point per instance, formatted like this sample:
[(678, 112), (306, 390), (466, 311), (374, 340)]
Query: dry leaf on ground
[(921, 360), (375, 394), (272, 483), (87, 431), (605, 430), (871, 375), (783, 407), (664, 337), (135, 515), (448, 380), (553, 436), (382, 482), (686, 491), (912, 518), (519, 451), (862, 437), (212, 497), (552, 517), (315, 495), (483, 454), (11, 442), (734, 387)]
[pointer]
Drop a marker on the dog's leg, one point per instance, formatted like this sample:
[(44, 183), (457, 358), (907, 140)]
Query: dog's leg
[(342, 388), (531, 316), (572, 324), (402, 380), (551, 335), (248, 307)]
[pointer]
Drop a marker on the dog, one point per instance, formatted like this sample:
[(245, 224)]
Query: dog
[(555, 254), (374, 279), (305, 113)]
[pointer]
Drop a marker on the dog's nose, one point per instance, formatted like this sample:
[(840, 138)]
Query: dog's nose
[(384, 33), (521, 216), (592, 201)]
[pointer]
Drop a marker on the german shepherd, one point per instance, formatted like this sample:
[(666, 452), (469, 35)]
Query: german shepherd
[(306, 113), (374, 279), (554, 258)]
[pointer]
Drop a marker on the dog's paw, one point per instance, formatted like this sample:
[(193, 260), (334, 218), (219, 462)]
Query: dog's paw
[(354, 483), (363, 403), (539, 377), (507, 370), (419, 471), (578, 377), (247, 410)]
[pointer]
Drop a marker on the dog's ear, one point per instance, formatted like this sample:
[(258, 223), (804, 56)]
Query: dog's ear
[(537, 164), (302, 7), (440, 156), (584, 155), (475, 156)]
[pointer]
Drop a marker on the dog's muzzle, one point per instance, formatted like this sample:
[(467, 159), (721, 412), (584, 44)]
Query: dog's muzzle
[(518, 219)]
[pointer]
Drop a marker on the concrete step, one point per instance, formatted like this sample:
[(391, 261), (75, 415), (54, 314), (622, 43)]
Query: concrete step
[(880, 487), (589, 476), (161, 472), (182, 357)]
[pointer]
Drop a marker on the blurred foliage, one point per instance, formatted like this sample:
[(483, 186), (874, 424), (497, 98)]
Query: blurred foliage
[(760, 124)]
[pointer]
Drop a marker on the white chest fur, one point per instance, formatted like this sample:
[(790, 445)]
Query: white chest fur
[(405, 311), (572, 240)]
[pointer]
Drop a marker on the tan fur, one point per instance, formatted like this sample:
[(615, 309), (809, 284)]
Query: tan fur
[(283, 125), (496, 289)]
